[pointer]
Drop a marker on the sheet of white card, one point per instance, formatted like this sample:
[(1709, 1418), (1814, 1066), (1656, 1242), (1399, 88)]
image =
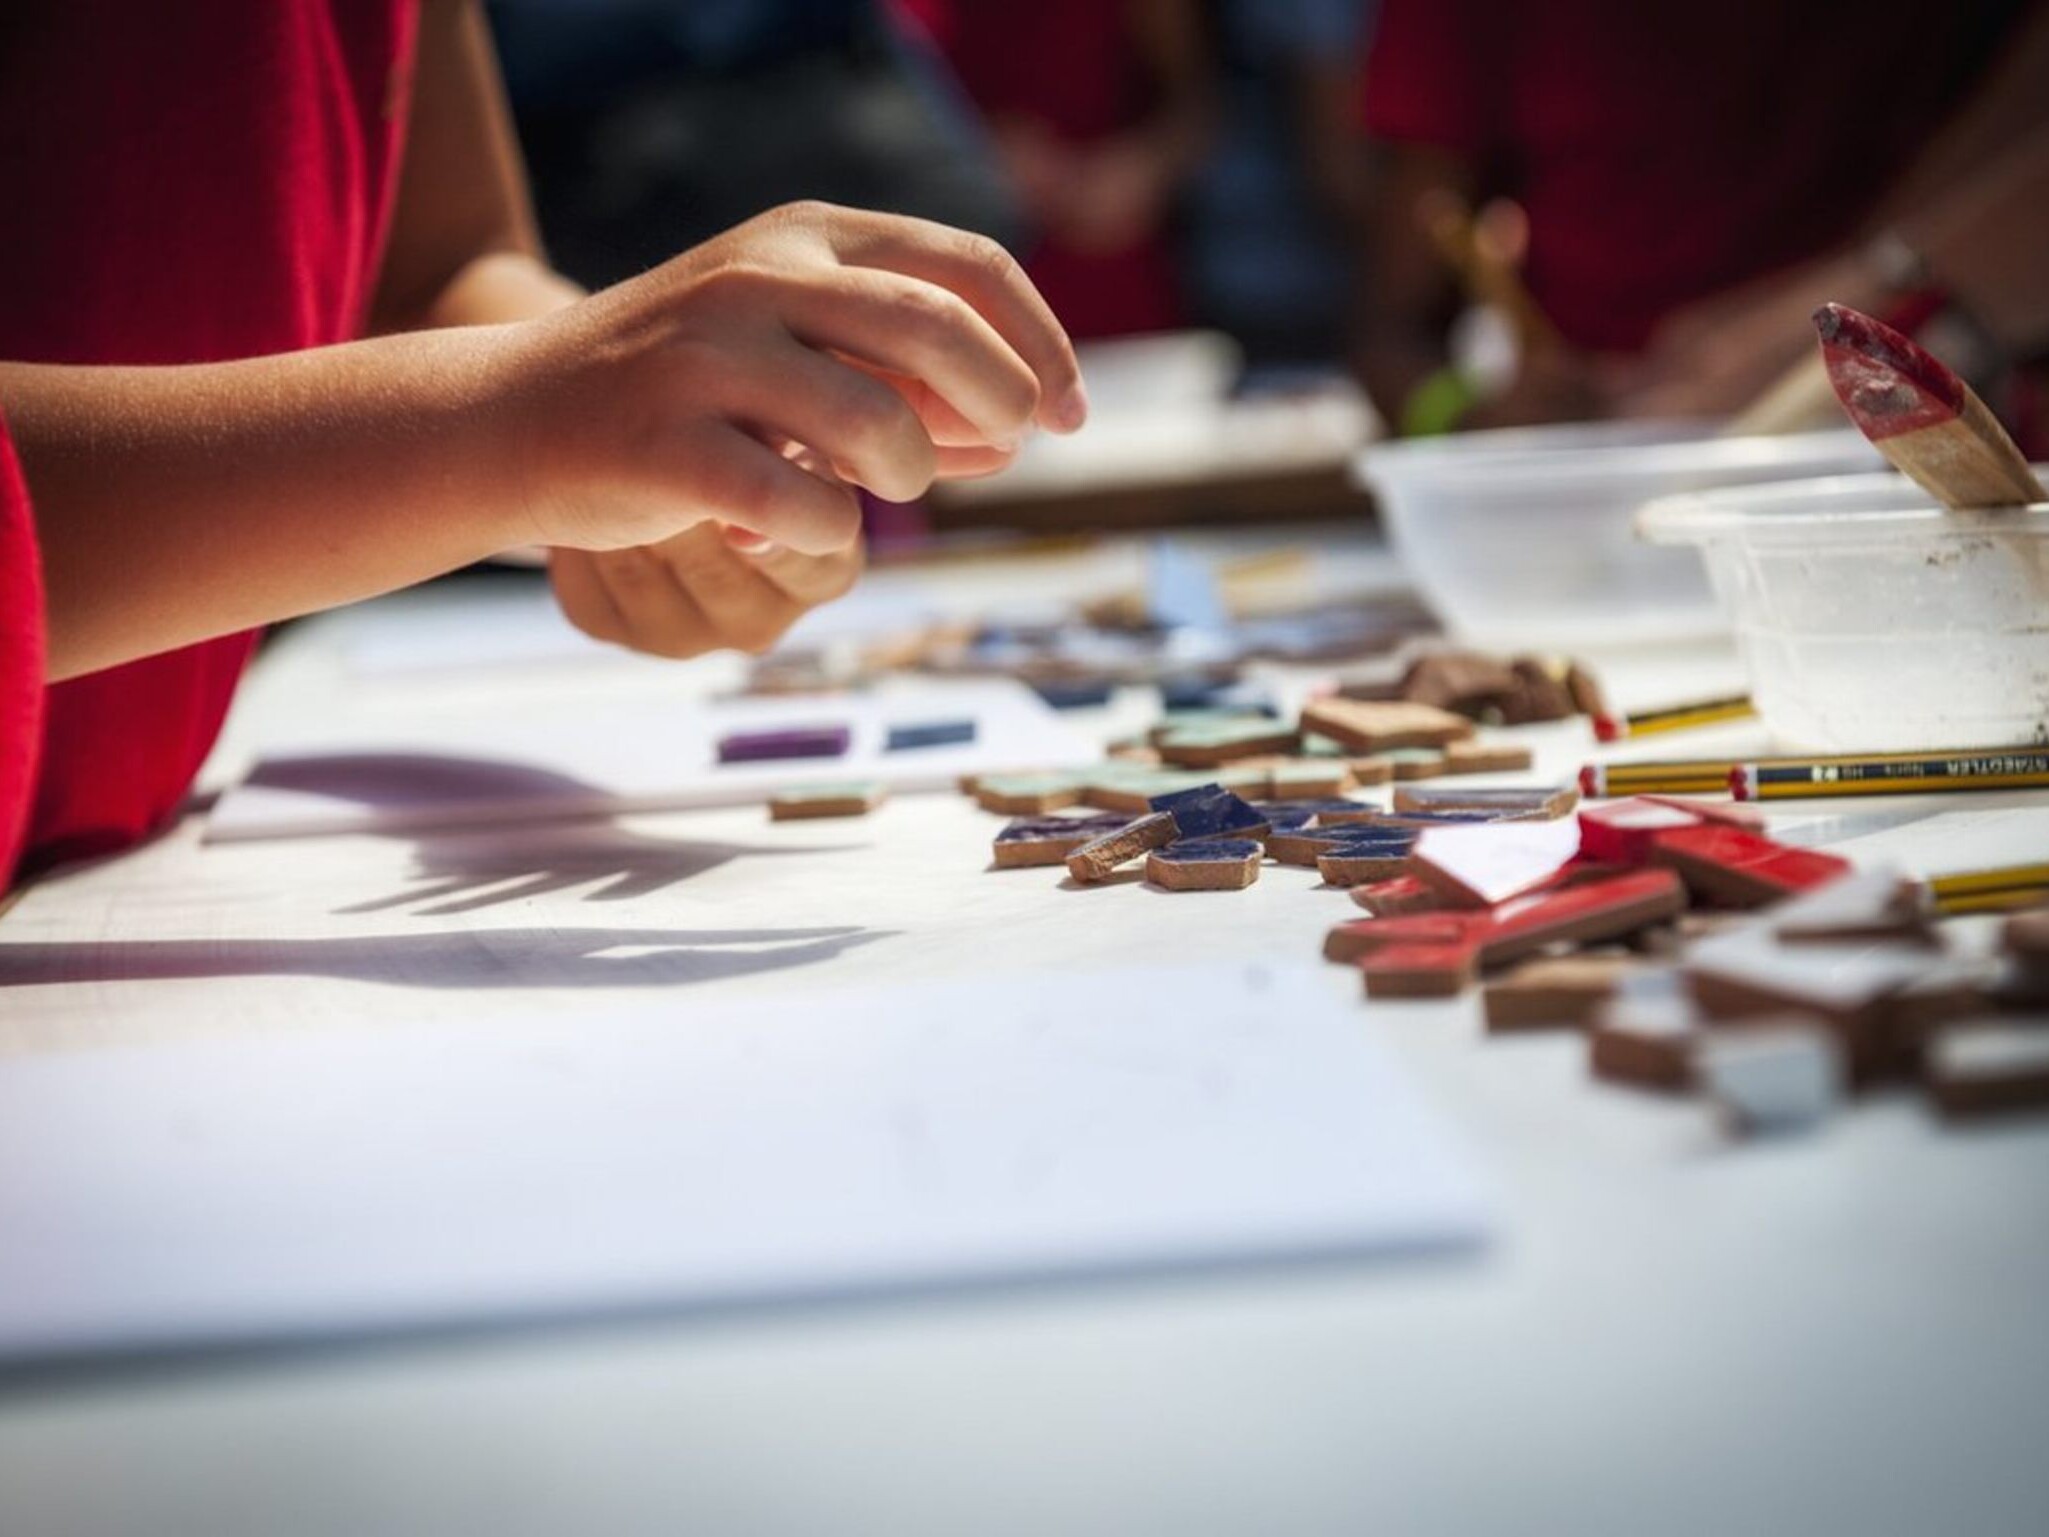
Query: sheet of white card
[(338, 1183), (1955, 842), (623, 751)]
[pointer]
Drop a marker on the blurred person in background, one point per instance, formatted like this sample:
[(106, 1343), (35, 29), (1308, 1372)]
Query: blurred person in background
[(1273, 211), (1101, 110), (1668, 161), (650, 125)]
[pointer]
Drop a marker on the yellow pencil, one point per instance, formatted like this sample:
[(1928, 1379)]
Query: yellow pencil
[(1989, 891), (1955, 769), (1709, 776), (1678, 717)]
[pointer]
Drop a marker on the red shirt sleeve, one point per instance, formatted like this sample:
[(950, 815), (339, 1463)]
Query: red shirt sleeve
[(205, 182), (1429, 77), (21, 658)]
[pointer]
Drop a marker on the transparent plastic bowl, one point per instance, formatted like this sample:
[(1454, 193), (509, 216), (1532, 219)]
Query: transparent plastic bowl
[(1521, 538), (1871, 619)]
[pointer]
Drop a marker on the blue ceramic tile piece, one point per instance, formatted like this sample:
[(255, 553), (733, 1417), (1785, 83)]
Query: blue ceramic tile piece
[(1202, 851), (1031, 841), (1072, 696), (1366, 838), (1178, 694), (1043, 829), (1203, 696), (1210, 811), (930, 733), (1293, 816), (1446, 818)]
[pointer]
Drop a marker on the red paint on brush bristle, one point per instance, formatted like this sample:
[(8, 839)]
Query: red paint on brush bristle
[(1889, 383)]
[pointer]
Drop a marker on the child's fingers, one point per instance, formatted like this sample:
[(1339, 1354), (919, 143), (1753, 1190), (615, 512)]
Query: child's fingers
[(989, 279), (585, 600), (721, 472), (652, 614), (946, 427), (972, 463), (864, 429), (807, 579), (918, 329), (716, 590)]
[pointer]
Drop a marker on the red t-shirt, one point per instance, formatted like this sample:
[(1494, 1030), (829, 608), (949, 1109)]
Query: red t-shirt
[(1070, 68), (1665, 152), (21, 658), (182, 183)]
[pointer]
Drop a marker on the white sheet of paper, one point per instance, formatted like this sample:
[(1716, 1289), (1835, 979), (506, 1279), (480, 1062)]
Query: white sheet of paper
[(612, 752), (1955, 842), (342, 1182)]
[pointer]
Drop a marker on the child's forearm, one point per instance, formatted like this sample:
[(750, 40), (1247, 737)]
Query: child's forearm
[(179, 503), (498, 287), (175, 504)]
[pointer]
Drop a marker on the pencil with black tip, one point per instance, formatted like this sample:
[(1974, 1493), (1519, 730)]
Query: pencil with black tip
[(1678, 717), (1949, 771)]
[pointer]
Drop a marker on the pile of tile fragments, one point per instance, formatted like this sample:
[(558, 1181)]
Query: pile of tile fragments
[(1695, 952)]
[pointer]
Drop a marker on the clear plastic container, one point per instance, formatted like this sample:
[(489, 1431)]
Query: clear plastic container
[(1521, 538), (1869, 618)]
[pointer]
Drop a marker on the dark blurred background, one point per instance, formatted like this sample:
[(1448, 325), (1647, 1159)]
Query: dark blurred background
[(1489, 211)]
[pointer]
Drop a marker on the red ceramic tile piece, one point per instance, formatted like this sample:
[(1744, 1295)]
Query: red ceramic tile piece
[(1586, 912), (1419, 971), (1740, 869), (1624, 832)]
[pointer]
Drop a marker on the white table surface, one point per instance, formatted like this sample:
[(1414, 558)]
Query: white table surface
[(1843, 1333)]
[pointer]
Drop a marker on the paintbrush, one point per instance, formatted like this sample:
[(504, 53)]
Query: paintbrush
[(1921, 416)]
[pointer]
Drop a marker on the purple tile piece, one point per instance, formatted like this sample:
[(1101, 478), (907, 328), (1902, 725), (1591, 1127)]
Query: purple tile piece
[(788, 742)]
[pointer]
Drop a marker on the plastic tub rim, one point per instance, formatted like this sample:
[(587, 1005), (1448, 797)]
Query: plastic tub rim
[(1774, 507)]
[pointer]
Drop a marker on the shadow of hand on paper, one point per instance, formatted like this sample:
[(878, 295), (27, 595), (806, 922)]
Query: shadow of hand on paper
[(488, 832), (467, 958), (468, 872)]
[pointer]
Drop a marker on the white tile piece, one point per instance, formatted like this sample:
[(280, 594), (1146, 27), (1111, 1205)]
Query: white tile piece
[(1771, 1078)]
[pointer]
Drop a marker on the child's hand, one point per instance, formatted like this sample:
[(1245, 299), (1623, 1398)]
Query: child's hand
[(886, 351), (708, 588)]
